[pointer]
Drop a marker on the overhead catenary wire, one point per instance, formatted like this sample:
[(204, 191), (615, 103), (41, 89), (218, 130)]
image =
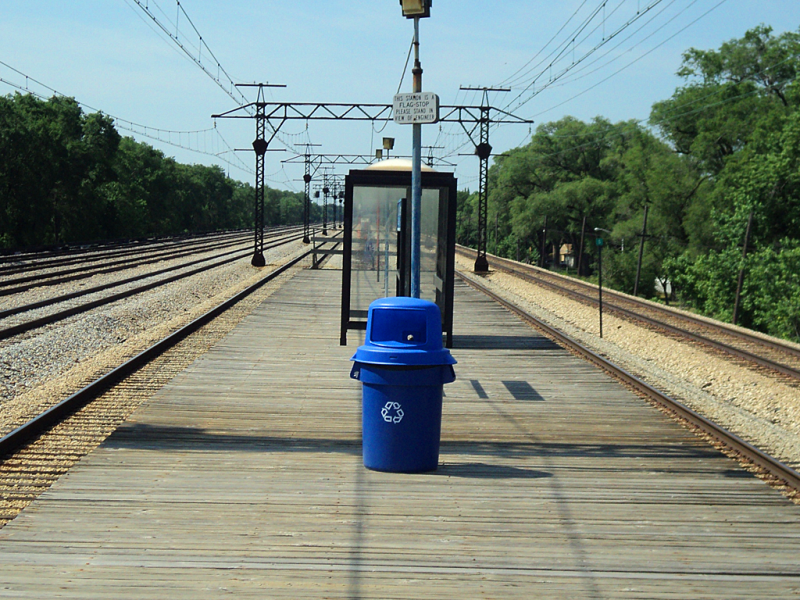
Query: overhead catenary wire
[(669, 116), (508, 80), (558, 52), (552, 78), (637, 59), (574, 77), (223, 80), (643, 11)]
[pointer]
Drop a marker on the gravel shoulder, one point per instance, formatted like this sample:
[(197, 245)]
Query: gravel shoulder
[(760, 409)]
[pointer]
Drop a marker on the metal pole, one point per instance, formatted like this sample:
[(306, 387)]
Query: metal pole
[(260, 146), (325, 191), (495, 231), (416, 175), (580, 249), (335, 194), (600, 284), (544, 241), (378, 243), (386, 255), (741, 270), (641, 252), (306, 200), (484, 151)]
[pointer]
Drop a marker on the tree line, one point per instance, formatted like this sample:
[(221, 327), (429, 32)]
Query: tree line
[(68, 177), (723, 151)]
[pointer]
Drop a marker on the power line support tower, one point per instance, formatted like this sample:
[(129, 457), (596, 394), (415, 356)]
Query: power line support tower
[(483, 150), (307, 176), (260, 146)]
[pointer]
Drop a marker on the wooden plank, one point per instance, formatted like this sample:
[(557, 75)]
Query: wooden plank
[(244, 476)]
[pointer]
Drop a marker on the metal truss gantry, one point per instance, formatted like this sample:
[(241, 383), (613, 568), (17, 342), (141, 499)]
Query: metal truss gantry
[(277, 113)]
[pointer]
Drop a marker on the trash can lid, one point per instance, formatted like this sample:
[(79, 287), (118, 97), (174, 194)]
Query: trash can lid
[(404, 332)]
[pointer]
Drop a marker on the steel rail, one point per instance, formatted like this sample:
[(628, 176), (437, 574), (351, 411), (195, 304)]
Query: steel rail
[(721, 346), (79, 255), (69, 312), (772, 465), (119, 282), (23, 284), (719, 326), (15, 439), (145, 257)]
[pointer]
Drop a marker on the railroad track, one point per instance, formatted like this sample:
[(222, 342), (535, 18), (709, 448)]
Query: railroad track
[(21, 263), (777, 472), (205, 264), (101, 266), (35, 454), (749, 348), (42, 273)]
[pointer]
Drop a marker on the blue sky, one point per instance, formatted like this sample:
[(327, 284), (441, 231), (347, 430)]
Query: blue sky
[(110, 56)]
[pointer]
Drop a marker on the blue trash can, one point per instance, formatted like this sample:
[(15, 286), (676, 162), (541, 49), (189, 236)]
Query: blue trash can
[(402, 367)]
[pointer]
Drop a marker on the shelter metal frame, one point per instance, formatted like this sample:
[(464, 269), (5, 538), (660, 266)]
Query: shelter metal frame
[(401, 179)]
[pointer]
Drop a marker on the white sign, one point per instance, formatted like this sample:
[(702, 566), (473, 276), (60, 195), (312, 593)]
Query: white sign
[(421, 107)]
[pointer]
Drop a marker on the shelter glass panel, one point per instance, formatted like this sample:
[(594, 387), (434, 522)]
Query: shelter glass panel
[(380, 244)]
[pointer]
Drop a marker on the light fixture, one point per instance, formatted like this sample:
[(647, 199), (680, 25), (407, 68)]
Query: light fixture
[(379, 154), (416, 8), (388, 143)]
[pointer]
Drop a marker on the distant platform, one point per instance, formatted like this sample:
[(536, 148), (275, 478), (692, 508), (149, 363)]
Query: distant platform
[(242, 478)]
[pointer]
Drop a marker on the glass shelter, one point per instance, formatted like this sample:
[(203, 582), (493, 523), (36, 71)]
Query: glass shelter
[(377, 241)]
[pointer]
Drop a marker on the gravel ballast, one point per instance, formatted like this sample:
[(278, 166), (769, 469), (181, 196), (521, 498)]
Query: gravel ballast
[(42, 367)]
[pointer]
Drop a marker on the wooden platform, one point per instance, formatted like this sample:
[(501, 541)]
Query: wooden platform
[(243, 479)]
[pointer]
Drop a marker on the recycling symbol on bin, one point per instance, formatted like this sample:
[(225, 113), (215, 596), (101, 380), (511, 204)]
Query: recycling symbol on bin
[(392, 412)]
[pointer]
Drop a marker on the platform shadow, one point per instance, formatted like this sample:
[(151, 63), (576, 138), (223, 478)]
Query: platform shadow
[(503, 342), (477, 470), (145, 436)]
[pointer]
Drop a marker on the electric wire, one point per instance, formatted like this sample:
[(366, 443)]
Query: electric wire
[(229, 86), (574, 77), (630, 22), (553, 78), (670, 116), (653, 49), (535, 56)]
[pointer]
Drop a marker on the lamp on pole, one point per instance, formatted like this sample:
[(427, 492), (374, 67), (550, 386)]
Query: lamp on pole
[(599, 242), (388, 144)]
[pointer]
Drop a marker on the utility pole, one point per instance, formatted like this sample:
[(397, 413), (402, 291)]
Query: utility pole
[(483, 150), (544, 243), (580, 248), (599, 243), (260, 146), (740, 283), (325, 191), (641, 252), (307, 177)]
